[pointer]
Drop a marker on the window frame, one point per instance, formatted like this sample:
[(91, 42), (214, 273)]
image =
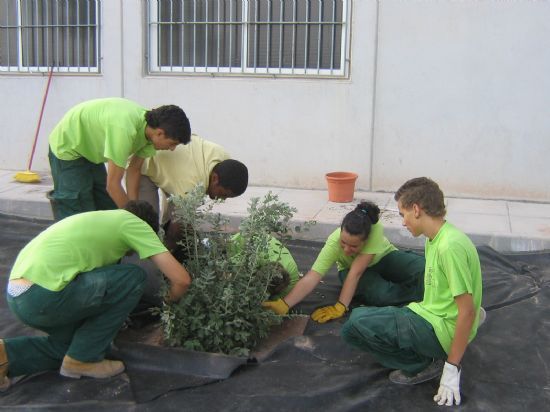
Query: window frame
[(21, 68), (246, 68)]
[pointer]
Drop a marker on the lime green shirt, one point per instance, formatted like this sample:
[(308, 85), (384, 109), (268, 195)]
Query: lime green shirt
[(178, 172), (81, 243), (280, 254), (277, 253), (452, 269), (332, 252), (101, 130)]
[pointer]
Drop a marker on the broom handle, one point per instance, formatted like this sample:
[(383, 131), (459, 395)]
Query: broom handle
[(40, 118)]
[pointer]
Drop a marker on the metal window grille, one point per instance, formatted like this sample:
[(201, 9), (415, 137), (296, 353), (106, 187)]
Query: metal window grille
[(278, 37), (36, 35)]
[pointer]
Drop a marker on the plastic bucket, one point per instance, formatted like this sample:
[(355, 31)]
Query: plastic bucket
[(341, 186)]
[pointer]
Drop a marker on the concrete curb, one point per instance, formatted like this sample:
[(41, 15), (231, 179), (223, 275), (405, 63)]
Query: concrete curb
[(506, 226)]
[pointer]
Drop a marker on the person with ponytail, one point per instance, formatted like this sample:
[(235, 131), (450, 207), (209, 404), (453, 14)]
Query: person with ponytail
[(371, 269)]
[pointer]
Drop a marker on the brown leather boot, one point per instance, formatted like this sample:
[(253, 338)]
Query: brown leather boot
[(73, 368), (4, 381)]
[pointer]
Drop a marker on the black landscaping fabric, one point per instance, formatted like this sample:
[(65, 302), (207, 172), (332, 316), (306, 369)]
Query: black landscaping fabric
[(505, 368)]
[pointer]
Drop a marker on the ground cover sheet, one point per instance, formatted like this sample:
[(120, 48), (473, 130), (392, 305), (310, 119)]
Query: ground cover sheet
[(506, 368)]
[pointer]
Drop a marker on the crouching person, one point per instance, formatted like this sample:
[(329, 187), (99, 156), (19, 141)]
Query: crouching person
[(427, 339), (66, 282)]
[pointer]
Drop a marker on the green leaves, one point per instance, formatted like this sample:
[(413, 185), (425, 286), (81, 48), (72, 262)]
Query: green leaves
[(222, 310)]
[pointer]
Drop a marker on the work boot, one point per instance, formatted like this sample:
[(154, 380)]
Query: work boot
[(73, 368), (431, 372), (4, 381)]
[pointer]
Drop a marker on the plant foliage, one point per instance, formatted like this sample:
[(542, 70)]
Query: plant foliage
[(221, 312)]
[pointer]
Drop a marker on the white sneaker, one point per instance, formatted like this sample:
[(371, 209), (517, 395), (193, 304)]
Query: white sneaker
[(482, 316)]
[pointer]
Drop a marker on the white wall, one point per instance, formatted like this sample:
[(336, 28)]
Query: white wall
[(463, 96), (22, 98), (289, 132), (461, 92)]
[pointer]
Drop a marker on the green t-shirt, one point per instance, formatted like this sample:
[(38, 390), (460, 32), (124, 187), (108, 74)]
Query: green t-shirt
[(277, 253), (332, 252), (280, 254), (81, 243), (101, 130), (452, 269)]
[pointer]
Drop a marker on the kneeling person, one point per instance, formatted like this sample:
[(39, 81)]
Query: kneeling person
[(66, 282), (425, 338)]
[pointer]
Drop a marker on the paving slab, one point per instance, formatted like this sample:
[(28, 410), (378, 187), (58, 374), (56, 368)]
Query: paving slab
[(25, 199)]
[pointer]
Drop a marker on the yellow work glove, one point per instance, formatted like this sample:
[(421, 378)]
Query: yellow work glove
[(327, 313), (278, 306)]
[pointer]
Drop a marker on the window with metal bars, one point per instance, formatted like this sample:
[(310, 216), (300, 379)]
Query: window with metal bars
[(36, 35), (286, 37)]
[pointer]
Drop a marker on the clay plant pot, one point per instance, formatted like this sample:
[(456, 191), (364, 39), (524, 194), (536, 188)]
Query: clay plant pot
[(341, 186)]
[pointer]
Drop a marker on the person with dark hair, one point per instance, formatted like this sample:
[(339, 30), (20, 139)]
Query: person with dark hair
[(232, 179), (440, 326), (67, 283), (371, 269), (280, 259), (115, 131), (180, 171), (200, 162), (145, 212)]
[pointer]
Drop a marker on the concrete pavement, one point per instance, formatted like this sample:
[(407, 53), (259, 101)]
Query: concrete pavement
[(505, 225)]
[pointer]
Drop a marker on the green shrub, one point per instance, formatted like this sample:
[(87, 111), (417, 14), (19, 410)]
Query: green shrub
[(221, 312)]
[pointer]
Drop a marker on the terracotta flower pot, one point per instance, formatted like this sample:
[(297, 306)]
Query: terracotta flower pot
[(341, 186)]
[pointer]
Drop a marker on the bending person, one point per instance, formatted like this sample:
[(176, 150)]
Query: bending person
[(180, 171), (279, 258), (111, 130), (370, 268), (66, 282)]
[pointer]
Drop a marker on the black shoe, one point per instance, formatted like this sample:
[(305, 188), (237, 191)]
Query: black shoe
[(431, 372)]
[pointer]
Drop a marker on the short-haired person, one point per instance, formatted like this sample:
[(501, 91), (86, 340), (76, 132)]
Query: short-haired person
[(416, 339), (370, 268), (180, 171), (111, 130), (66, 282)]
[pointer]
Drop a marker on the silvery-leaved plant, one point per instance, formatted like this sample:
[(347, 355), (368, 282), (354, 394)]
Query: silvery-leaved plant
[(222, 312)]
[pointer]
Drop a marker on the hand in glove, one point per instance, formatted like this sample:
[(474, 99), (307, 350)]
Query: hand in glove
[(449, 386), (327, 313), (278, 306)]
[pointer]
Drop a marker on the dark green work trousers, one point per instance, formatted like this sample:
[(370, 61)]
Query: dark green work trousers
[(81, 320), (78, 186), (397, 337), (397, 279)]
